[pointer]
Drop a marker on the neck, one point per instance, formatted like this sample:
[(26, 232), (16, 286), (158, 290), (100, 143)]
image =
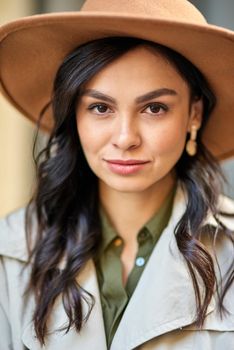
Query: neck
[(129, 211)]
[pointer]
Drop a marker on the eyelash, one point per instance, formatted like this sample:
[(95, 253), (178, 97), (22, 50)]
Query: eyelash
[(157, 104), (93, 106)]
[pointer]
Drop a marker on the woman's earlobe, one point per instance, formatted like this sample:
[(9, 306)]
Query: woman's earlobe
[(191, 145), (196, 114), (194, 125)]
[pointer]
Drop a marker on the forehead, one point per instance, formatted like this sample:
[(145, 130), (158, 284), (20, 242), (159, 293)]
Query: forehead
[(138, 70)]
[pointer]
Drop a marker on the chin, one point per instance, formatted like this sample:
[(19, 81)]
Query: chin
[(129, 185)]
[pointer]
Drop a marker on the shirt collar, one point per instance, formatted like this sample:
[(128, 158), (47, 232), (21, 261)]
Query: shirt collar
[(108, 232), (159, 220), (13, 241), (154, 225)]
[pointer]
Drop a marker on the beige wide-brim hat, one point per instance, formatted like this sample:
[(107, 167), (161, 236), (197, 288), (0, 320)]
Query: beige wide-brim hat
[(32, 48)]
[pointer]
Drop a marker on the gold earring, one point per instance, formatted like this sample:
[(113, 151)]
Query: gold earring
[(191, 146)]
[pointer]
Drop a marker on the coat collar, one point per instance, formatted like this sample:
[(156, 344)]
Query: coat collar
[(165, 283), (12, 237)]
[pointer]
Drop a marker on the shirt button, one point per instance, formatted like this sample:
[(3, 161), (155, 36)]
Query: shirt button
[(142, 236), (118, 242), (140, 261)]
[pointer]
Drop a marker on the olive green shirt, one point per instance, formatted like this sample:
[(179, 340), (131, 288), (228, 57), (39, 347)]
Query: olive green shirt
[(115, 296)]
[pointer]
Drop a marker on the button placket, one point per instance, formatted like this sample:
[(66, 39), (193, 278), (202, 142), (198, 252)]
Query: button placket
[(142, 237)]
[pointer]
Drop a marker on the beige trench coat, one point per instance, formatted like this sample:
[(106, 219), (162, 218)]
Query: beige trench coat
[(159, 315)]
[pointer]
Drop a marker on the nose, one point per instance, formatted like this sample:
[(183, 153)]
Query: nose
[(126, 134)]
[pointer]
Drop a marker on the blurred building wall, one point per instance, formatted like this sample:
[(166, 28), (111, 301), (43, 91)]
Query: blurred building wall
[(221, 13), (17, 133), (59, 5), (12, 9)]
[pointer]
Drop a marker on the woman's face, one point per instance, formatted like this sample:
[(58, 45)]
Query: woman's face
[(132, 121)]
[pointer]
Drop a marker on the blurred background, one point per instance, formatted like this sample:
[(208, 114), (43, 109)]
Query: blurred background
[(17, 133)]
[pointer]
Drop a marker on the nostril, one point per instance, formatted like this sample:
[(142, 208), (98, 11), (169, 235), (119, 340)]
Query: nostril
[(127, 141)]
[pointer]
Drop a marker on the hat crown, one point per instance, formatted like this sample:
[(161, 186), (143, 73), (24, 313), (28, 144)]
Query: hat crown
[(174, 10)]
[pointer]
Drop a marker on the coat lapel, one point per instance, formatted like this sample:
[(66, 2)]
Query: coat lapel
[(164, 298), (93, 332), (162, 301)]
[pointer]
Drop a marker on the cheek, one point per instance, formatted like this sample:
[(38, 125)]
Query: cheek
[(91, 137), (86, 137), (170, 140)]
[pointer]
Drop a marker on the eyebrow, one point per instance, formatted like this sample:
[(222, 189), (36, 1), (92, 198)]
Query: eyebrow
[(144, 98)]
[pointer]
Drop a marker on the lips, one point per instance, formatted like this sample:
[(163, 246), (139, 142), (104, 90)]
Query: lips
[(126, 162), (126, 167)]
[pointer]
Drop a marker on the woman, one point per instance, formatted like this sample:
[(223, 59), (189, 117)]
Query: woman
[(128, 243)]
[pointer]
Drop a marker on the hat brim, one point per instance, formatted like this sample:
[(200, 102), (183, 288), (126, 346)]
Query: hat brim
[(32, 49)]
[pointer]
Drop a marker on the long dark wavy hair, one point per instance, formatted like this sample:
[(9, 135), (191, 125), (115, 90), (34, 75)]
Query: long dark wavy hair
[(65, 201)]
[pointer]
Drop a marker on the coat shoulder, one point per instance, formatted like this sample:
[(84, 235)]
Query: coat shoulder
[(13, 235), (226, 208), (226, 203), (225, 213)]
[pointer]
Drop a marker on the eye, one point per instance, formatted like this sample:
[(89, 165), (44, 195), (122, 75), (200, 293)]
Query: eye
[(98, 108), (156, 108)]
